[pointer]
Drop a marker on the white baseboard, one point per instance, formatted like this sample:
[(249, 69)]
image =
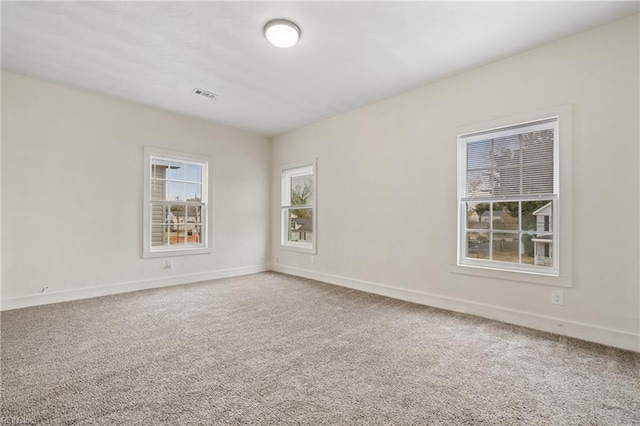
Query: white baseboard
[(588, 332), (85, 293)]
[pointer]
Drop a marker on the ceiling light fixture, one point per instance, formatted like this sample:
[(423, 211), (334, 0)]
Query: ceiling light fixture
[(282, 33)]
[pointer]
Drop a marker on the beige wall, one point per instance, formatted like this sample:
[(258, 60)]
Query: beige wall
[(387, 188), (72, 176)]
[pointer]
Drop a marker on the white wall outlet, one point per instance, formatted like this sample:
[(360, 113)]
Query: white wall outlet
[(312, 260), (557, 297), (277, 259), (168, 264)]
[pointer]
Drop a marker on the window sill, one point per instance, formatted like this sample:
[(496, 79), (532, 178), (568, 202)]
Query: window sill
[(527, 277), (172, 253), (296, 249)]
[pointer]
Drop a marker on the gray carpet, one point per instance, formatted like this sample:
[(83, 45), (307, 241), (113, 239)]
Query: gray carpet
[(275, 349)]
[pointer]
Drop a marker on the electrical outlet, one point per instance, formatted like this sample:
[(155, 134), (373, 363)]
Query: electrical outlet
[(312, 260), (557, 298), (277, 259), (168, 264)]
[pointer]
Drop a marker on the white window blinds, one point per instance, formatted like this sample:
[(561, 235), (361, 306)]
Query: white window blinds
[(515, 162)]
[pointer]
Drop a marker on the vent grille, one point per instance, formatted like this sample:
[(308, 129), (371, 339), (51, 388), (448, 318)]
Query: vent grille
[(205, 93)]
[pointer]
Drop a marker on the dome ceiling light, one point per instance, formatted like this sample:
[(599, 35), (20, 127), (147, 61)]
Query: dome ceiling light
[(281, 32)]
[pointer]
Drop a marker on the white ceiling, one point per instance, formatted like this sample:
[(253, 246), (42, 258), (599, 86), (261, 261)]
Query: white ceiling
[(350, 53)]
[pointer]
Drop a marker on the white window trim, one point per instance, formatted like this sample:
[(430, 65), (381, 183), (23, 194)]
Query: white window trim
[(154, 252), (562, 275), (308, 248)]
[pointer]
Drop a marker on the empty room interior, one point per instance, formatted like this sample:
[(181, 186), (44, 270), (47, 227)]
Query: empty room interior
[(320, 213)]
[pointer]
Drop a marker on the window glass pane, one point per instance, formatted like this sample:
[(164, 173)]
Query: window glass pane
[(158, 234), (478, 216), (537, 178), (480, 183), (478, 245), (170, 222), (537, 146), (507, 181), (537, 215), (302, 190), (176, 214), (158, 189), (193, 172), (527, 248), (300, 225), (505, 247), (176, 171), (194, 214), (172, 216), (179, 236), (543, 250), (193, 192), (193, 221), (479, 155), (169, 217), (176, 191), (158, 224), (505, 215), (506, 151), (193, 233), (158, 214), (159, 168)]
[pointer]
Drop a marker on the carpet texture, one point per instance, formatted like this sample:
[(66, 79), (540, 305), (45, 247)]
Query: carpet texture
[(276, 349)]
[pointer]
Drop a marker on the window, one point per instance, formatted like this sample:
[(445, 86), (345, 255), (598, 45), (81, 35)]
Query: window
[(176, 209), (508, 198), (298, 218)]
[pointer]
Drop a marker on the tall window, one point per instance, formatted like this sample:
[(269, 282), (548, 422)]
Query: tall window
[(298, 218), (175, 203), (509, 198)]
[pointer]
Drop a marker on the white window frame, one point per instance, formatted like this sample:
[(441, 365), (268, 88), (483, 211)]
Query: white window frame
[(287, 171), (150, 251), (552, 122)]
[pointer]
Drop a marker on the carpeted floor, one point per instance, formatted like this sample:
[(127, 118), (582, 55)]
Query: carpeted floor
[(275, 349)]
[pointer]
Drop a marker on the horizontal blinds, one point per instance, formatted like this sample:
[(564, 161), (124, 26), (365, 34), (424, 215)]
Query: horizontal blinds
[(513, 165)]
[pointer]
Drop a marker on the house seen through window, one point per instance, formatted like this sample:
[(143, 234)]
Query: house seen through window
[(298, 193), (509, 198), (177, 204)]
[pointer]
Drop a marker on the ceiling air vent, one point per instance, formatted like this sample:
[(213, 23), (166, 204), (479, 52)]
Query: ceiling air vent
[(205, 93)]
